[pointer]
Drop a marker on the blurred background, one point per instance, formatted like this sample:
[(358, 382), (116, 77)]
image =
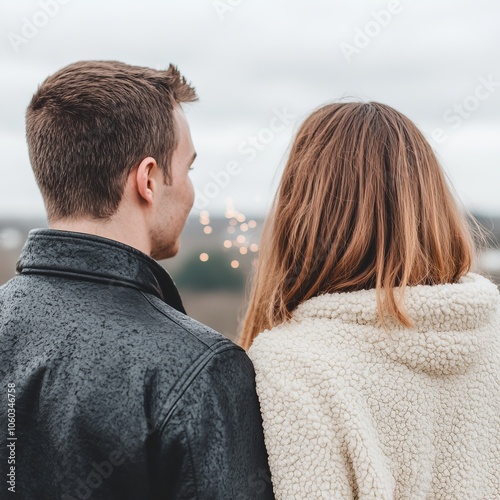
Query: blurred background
[(260, 67)]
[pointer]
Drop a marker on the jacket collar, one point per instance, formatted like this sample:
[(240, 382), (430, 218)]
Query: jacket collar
[(84, 256)]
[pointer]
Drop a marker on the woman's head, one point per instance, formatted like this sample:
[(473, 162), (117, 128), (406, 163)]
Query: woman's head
[(363, 203)]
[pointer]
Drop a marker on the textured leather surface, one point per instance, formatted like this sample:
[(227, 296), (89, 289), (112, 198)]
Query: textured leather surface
[(119, 394)]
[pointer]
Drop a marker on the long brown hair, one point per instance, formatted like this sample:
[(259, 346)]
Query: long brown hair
[(363, 203)]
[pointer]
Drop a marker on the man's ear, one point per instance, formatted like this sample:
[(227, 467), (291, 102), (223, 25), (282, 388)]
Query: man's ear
[(146, 179)]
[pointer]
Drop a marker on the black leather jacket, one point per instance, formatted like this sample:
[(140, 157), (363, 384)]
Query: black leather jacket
[(111, 391)]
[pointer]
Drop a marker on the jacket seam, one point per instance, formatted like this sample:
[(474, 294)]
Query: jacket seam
[(202, 363), (87, 277), (214, 347), (182, 386)]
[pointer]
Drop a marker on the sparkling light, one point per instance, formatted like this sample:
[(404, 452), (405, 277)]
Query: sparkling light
[(236, 224), (203, 257), (230, 212), (204, 217), (207, 230)]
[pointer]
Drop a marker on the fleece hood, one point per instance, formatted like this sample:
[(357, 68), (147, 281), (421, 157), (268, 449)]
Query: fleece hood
[(448, 334)]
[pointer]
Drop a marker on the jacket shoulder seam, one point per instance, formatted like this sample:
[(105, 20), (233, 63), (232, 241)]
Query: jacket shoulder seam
[(215, 347), (191, 377)]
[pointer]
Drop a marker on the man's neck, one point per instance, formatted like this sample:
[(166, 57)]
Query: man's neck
[(112, 229)]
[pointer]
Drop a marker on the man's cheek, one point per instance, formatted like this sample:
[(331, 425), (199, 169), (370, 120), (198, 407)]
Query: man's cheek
[(191, 195)]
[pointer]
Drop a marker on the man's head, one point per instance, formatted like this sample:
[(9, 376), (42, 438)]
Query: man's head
[(95, 128)]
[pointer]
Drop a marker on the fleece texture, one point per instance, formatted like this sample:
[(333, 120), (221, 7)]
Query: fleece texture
[(355, 411)]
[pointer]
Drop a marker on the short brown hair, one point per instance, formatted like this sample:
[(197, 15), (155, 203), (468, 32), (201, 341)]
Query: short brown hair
[(91, 123), (363, 203)]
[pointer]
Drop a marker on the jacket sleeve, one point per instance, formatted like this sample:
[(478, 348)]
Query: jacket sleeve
[(212, 447)]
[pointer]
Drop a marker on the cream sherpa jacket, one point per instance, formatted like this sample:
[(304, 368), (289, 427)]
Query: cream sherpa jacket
[(351, 410)]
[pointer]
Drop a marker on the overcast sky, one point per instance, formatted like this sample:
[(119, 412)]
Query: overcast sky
[(260, 66)]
